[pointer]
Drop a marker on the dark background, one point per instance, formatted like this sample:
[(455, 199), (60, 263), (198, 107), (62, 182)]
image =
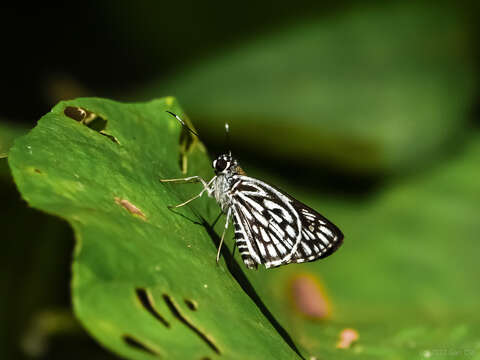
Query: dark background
[(112, 47)]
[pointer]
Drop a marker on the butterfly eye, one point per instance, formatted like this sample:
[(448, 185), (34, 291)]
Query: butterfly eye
[(220, 164)]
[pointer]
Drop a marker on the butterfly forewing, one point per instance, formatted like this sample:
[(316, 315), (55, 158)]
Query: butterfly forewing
[(274, 229)]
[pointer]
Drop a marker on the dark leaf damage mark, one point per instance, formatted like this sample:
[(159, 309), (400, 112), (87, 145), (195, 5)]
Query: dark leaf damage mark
[(176, 312), (146, 299), (131, 341), (192, 304)]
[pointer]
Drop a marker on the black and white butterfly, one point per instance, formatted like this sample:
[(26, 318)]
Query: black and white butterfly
[(271, 227)]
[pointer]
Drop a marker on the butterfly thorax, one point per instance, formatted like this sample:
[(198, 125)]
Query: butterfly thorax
[(221, 191), (227, 170)]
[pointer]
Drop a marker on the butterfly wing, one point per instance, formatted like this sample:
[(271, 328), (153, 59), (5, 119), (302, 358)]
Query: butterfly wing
[(318, 233), (274, 229)]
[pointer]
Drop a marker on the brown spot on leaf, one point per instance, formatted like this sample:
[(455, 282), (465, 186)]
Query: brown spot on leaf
[(347, 338), (132, 209), (309, 296)]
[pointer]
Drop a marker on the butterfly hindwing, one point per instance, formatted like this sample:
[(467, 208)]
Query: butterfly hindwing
[(247, 249), (274, 229), (320, 237)]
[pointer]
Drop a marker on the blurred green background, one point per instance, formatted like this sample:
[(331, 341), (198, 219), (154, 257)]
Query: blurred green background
[(368, 111)]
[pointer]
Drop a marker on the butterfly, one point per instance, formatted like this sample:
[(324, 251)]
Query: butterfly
[(271, 227)]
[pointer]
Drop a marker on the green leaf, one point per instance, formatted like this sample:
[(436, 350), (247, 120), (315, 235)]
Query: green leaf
[(373, 88), (8, 133), (406, 277), (145, 282)]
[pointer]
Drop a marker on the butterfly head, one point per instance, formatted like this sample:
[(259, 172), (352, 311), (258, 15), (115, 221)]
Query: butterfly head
[(226, 164)]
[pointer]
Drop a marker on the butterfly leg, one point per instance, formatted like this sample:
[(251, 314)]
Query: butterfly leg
[(223, 234), (191, 179), (186, 202)]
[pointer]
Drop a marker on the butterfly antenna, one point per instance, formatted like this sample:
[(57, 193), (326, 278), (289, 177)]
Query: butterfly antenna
[(227, 137), (183, 123)]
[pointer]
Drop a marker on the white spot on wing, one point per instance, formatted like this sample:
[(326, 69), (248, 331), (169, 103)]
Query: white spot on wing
[(306, 248), (275, 217), (323, 238), (251, 202), (265, 236), (271, 205), (277, 230), (244, 210), (271, 250), (309, 234), (261, 248), (287, 241), (291, 231), (261, 219), (281, 248), (326, 230)]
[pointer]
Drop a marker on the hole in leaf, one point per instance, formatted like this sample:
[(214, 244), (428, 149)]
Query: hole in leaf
[(176, 312), (192, 305), (131, 341), (89, 119), (75, 113), (146, 299), (111, 137), (132, 209)]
